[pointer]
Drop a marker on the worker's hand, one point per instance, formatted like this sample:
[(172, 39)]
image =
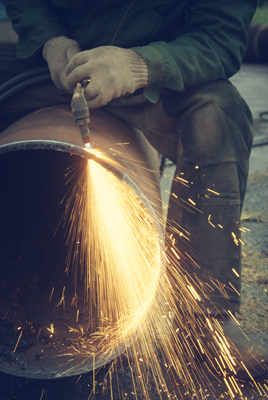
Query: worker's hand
[(58, 52), (113, 72)]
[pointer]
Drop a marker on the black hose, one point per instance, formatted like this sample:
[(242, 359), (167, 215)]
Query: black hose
[(264, 143), (17, 87), (22, 77), (263, 114)]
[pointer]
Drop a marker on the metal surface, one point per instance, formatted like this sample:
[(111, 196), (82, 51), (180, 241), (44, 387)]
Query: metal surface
[(34, 154)]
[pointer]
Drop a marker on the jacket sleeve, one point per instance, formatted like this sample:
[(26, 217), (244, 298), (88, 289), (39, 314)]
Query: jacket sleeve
[(210, 47), (35, 22)]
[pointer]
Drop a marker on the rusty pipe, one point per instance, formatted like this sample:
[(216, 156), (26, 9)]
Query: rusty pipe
[(34, 154)]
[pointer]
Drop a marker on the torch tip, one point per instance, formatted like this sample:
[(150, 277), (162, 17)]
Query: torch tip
[(88, 146)]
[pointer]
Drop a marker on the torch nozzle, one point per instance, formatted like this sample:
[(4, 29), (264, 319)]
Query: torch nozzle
[(88, 146), (81, 112)]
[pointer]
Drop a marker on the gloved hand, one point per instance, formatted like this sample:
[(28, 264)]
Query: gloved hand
[(113, 72), (58, 52)]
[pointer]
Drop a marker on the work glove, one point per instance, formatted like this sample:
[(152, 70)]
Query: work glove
[(58, 52), (113, 72)]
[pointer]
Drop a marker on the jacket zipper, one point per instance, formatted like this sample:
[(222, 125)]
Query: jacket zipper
[(123, 19)]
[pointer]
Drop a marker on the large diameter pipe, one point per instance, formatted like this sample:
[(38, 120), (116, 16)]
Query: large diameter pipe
[(34, 154)]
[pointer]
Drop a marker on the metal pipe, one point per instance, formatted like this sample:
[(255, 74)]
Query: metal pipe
[(34, 154)]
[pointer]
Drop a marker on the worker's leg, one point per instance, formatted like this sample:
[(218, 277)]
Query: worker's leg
[(214, 126), (34, 97), (209, 187)]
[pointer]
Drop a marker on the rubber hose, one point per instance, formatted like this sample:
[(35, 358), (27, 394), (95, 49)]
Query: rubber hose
[(23, 85), (22, 77)]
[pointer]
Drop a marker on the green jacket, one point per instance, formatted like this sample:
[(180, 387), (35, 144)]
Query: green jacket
[(184, 42)]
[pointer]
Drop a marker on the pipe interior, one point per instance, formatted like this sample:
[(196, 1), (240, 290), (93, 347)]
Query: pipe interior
[(32, 244)]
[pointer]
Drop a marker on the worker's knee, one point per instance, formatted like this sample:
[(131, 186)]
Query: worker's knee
[(214, 123)]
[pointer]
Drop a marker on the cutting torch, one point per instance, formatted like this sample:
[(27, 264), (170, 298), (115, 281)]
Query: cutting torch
[(81, 112)]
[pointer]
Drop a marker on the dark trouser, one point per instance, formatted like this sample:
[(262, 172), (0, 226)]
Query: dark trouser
[(207, 132)]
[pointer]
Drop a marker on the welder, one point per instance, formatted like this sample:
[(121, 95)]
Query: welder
[(162, 65)]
